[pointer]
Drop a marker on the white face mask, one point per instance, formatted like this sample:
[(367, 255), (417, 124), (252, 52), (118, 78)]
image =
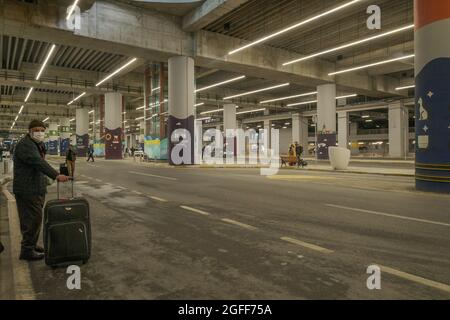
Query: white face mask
[(39, 136)]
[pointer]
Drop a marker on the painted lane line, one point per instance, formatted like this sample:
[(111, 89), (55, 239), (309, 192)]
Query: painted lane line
[(417, 279), (389, 215), (307, 245), (152, 175), (195, 210), (158, 199), (239, 224)]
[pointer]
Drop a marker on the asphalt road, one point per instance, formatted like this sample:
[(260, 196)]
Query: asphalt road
[(191, 233)]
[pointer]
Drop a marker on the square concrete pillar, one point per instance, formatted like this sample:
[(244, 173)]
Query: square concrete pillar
[(343, 120), (300, 130), (398, 130)]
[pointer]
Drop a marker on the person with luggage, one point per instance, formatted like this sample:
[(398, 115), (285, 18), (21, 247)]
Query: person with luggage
[(90, 153), (71, 157), (299, 151), (30, 187)]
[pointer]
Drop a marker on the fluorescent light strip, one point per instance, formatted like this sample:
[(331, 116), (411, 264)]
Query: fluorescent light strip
[(17, 117), (371, 65), (212, 111), (347, 96), (220, 83), (72, 120), (116, 72), (204, 119), (404, 88), (156, 89), (21, 109), (301, 103), (76, 99), (92, 111), (291, 97), (315, 101), (326, 13), (256, 91), (140, 108), (72, 8), (251, 111), (199, 104), (45, 119), (351, 44), (46, 61), (29, 94), (140, 118)]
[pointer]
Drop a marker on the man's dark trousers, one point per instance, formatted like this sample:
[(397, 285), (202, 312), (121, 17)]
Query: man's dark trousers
[(30, 215)]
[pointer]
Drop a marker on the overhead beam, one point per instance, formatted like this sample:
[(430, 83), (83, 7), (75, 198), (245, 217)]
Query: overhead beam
[(208, 12)]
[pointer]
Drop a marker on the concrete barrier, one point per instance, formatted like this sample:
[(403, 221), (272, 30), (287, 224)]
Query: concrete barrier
[(339, 158)]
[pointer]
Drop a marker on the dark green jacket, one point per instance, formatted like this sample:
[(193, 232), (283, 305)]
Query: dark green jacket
[(30, 170)]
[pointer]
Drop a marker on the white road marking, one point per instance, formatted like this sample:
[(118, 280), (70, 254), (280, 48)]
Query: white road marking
[(195, 210), (239, 224), (389, 215), (307, 245), (152, 175), (417, 279), (158, 199)]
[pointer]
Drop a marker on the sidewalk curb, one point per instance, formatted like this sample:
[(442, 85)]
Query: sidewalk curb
[(23, 286), (363, 172)]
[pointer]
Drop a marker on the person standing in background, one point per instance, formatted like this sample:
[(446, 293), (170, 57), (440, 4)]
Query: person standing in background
[(71, 157)]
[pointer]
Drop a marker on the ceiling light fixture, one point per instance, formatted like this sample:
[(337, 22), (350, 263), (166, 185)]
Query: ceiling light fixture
[(257, 91), (212, 111), (72, 8), (251, 111), (29, 94), (408, 27), (347, 96), (81, 95), (46, 119), (301, 103), (204, 119), (199, 104), (295, 26), (116, 72), (404, 88), (46, 61), (220, 83), (21, 109), (371, 65), (290, 97)]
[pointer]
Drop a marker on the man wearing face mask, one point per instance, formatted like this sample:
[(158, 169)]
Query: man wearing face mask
[(30, 187)]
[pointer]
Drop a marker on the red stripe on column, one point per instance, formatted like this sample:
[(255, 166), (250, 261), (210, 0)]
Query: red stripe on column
[(428, 11)]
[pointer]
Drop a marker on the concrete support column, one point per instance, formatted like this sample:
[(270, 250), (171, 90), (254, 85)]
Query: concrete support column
[(230, 123), (113, 126), (82, 132), (268, 131), (326, 120), (326, 108), (398, 130), (53, 138), (181, 110), (64, 132), (300, 131), (354, 148), (198, 141), (432, 71), (343, 120), (147, 99)]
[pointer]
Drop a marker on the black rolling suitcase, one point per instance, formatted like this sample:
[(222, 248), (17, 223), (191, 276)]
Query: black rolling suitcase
[(63, 169), (67, 231)]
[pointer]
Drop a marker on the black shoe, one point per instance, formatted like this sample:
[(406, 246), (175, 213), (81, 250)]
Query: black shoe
[(39, 249), (31, 256)]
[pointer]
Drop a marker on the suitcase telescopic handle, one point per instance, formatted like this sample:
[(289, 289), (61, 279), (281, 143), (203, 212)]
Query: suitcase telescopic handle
[(57, 187)]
